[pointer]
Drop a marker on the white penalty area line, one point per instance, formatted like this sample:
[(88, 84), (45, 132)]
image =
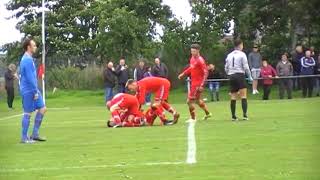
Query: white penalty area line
[(192, 146), (10, 117), (64, 108), (17, 115), (4, 170)]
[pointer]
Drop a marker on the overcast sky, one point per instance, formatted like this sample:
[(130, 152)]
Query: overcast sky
[(8, 32)]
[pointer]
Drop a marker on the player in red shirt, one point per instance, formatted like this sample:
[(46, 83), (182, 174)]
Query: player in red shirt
[(198, 72), (160, 87), (125, 111)]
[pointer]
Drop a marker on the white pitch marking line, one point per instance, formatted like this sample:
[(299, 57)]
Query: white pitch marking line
[(10, 117), (192, 147), (17, 115), (88, 167), (64, 108)]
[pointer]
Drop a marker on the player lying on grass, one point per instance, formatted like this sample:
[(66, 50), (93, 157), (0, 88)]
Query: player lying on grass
[(125, 112), (160, 87)]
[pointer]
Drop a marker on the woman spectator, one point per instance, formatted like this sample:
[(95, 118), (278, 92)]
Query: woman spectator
[(267, 72), (10, 76)]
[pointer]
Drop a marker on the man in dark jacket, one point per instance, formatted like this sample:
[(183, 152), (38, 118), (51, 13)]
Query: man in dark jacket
[(317, 72), (139, 71), (122, 73), (307, 68), (109, 81), (10, 75), (296, 63), (160, 69)]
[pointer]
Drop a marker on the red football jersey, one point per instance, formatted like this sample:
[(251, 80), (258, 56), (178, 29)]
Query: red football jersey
[(126, 102), (197, 70), (150, 85)]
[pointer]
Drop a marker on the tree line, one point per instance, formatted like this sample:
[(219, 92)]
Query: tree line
[(104, 30)]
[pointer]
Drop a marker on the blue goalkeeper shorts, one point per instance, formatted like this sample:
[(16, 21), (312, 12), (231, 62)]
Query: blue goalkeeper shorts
[(29, 104)]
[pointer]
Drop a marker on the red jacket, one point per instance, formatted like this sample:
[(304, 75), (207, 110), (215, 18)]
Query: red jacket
[(266, 72)]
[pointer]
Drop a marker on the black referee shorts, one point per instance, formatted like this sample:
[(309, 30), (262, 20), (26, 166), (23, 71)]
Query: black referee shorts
[(237, 82)]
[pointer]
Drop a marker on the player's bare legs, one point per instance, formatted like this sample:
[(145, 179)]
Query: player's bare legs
[(203, 106), (158, 110), (192, 109), (171, 110)]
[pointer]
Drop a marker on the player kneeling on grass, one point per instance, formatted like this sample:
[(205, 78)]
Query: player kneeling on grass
[(125, 111), (160, 87)]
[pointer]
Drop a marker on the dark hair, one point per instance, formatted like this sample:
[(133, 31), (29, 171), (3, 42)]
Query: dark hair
[(195, 46), (147, 68), (26, 43), (237, 42), (141, 60), (129, 82), (285, 54)]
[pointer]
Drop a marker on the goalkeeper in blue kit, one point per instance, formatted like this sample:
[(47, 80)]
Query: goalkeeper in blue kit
[(31, 97)]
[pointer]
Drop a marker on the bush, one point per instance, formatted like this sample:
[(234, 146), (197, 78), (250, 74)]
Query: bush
[(89, 78)]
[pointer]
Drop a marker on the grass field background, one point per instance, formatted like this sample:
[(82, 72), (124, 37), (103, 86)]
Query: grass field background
[(280, 141)]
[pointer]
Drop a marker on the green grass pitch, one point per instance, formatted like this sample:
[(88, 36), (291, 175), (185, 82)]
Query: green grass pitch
[(280, 141)]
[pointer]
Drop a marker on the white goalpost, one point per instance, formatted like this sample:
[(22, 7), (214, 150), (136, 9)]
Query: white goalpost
[(43, 52)]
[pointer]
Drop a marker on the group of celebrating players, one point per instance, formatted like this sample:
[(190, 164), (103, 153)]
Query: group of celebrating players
[(126, 108)]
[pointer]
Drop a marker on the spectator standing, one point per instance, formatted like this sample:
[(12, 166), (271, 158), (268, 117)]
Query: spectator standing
[(255, 63), (10, 75), (307, 68), (148, 74), (313, 53), (317, 72), (296, 63), (284, 68), (214, 86), (267, 71), (139, 71), (160, 69), (109, 81), (122, 73)]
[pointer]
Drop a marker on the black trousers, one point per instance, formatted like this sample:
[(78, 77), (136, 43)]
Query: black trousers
[(307, 86), (285, 85), (266, 91), (10, 96)]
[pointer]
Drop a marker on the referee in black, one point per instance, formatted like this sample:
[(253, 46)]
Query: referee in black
[(236, 68)]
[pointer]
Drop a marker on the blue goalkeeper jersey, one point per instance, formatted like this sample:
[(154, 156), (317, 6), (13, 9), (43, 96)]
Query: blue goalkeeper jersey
[(28, 75)]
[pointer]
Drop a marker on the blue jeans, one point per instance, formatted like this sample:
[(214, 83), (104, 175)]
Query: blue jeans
[(148, 98), (214, 86), (108, 93)]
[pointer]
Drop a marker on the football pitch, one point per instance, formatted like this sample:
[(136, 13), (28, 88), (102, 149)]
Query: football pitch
[(280, 141)]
